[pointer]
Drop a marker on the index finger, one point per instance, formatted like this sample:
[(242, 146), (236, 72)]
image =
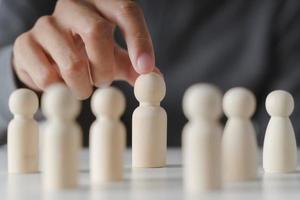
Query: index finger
[(129, 17)]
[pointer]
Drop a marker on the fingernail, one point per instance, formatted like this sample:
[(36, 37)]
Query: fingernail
[(157, 70), (104, 84), (145, 63)]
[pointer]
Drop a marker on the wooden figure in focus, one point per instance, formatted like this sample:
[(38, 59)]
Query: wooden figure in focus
[(280, 148), (149, 122)]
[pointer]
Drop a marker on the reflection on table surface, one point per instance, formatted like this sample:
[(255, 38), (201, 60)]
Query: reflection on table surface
[(152, 184)]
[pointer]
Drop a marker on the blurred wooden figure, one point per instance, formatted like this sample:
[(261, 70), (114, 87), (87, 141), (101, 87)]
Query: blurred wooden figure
[(107, 136), (22, 132), (62, 139), (239, 145), (201, 138)]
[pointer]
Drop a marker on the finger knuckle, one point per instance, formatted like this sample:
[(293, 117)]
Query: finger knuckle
[(128, 8), (23, 40), (98, 29), (63, 4), (44, 21)]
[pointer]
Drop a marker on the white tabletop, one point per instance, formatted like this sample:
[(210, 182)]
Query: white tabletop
[(152, 184)]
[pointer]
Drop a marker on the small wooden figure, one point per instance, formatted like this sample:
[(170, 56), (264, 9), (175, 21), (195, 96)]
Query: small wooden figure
[(280, 148), (239, 145), (22, 133), (149, 122), (201, 138), (107, 136), (62, 139)]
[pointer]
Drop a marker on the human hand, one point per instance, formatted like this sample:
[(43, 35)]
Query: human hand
[(75, 45)]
